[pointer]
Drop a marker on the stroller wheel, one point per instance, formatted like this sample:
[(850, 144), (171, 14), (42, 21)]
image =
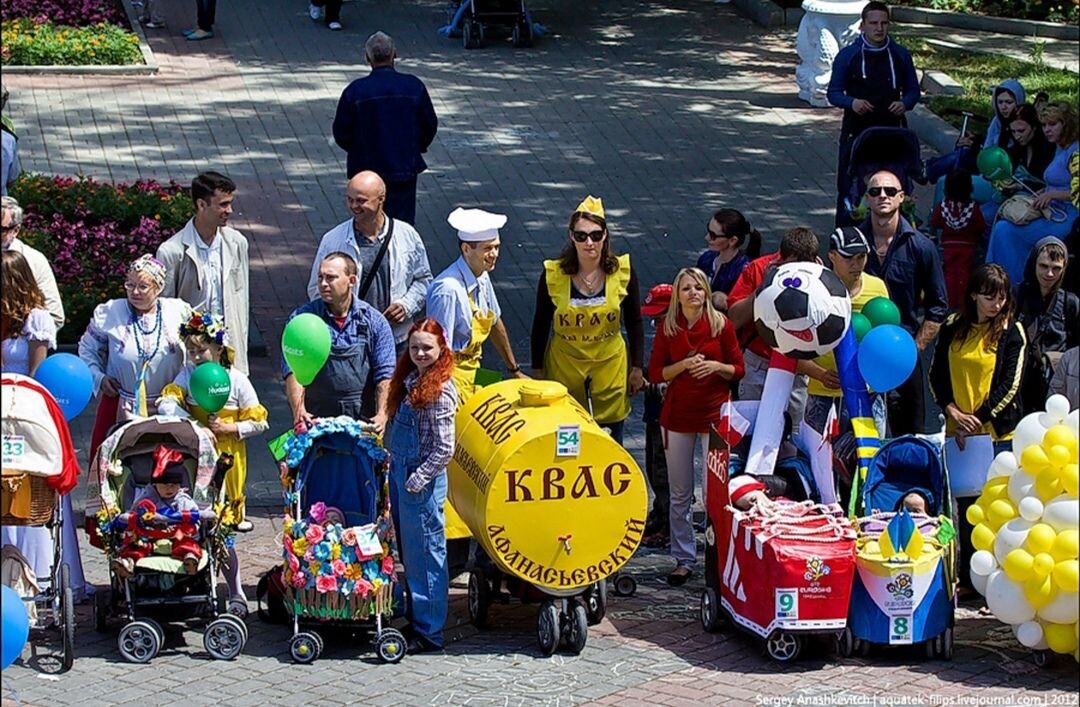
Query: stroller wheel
[(472, 35), (625, 585), (577, 627), (783, 647), (390, 645), (845, 643), (223, 639), (596, 602), (239, 623), (102, 599), (479, 599), (522, 35), (711, 618), (67, 614), (304, 648), (139, 642), (1042, 658), (547, 627)]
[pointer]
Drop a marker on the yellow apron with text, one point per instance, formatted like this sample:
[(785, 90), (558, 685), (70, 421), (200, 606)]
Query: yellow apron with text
[(466, 363), (588, 341)]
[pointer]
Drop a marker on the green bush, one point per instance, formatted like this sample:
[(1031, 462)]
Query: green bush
[(28, 43), (1066, 11)]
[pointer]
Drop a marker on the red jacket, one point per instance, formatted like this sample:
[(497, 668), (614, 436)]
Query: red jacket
[(749, 281), (692, 404)]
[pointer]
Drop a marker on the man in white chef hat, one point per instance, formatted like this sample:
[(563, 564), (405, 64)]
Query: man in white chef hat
[(462, 298)]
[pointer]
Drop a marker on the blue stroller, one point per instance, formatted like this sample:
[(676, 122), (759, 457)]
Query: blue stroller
[(905, 581), (875, 149)]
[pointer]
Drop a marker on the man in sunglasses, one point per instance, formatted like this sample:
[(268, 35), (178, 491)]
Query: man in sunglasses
[(909, 264)]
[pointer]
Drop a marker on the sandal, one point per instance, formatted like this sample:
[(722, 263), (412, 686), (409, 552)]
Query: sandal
[(679, 575)]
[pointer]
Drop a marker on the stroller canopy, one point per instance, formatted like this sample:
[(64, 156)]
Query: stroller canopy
[(341, 466), (901, 466), (31, 439)]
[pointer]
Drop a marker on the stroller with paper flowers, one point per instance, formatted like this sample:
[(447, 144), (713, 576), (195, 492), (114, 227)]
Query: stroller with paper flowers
[(338, 537), (147, 579), (39, 468), (905, 581)]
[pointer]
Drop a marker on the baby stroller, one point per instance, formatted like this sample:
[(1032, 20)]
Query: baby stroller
[(338, 537), (905, 584), (159, 586), (479, 19), (36, 461), (875, 149)]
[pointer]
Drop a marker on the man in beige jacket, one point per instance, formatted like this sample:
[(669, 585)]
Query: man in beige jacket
[(207, 262)]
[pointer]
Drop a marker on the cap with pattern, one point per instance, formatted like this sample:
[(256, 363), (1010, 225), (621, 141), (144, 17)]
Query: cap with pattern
[(848, 241)]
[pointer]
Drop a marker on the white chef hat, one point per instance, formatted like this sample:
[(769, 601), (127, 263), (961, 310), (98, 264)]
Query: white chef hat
[(476, 225)]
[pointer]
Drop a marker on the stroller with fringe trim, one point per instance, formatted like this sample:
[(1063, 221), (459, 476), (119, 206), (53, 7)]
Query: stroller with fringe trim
[(159, 586), (338, 537)]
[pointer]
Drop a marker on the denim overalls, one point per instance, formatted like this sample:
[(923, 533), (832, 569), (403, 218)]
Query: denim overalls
[(420, 524)]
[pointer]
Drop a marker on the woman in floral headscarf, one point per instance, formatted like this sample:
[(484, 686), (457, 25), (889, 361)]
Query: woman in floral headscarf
[(133, 348)]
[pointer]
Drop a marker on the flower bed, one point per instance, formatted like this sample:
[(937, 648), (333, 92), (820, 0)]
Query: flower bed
[(67, 33), (91, 231)]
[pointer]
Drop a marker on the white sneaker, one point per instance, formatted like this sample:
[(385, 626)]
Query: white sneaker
[(336, 26), (315, 12)]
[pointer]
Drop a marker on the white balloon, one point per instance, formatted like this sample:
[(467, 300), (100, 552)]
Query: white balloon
[(1019, 486), (1006, 599), (1009, 537), (1057, 407), (1029, 633), (983, 562), (1030, 431), (978, 581), (1031, 508), (1064, 609), (1004, 464), (1073, 421), (1061, 513)]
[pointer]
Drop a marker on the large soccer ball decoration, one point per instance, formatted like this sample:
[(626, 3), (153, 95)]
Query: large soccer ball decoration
[(802, 310)]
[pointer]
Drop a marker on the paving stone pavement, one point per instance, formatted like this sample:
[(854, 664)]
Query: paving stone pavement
[(665, 110)]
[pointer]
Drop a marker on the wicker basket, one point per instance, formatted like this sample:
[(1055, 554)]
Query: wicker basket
[(42, 499), (332, 606)]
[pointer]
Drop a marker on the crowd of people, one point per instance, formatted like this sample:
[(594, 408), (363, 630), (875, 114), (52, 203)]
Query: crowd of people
[(406, 345)]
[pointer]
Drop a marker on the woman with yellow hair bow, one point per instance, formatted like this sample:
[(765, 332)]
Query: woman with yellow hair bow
[(586, 297)]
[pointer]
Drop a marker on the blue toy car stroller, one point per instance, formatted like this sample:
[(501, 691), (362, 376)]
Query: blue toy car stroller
[(905, 582), (875, 149)]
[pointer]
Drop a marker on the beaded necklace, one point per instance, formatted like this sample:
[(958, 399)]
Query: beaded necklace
[(141, 403)]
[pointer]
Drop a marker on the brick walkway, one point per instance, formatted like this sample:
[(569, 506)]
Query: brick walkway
[(665, 110)]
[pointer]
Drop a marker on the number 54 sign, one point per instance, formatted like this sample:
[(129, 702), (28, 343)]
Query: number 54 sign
[(568, 441)]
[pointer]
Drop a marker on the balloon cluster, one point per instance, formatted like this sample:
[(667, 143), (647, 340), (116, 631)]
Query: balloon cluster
[(887, 352), (1027, 532)]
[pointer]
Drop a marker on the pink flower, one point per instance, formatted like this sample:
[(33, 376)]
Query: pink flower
[(325, 583), (388, 565), (299, 579), (287, 541), (363, 587), (348, 537), (294, 564), (309, 555), (318, 512), (338, 567), (314, 534)]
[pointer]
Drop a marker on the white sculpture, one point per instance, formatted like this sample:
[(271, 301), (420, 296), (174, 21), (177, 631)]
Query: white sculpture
[(826, 28)]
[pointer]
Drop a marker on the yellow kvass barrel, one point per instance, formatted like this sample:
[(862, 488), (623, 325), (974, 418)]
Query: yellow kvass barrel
[(550, 496)]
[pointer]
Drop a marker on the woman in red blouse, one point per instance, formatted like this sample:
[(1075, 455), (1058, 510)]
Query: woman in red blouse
[(697, 353)]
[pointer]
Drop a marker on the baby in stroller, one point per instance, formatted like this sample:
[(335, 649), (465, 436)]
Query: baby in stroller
[(791, 480), (162, 502)]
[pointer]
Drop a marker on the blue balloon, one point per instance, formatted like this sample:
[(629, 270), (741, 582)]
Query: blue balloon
[(69, 380), (15, 626), (887, 356)]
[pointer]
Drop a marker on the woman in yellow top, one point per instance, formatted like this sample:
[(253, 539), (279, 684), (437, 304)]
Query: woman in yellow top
[(586, 297), (979, 360)]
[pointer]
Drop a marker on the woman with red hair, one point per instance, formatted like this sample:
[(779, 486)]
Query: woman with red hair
[(422, 404)]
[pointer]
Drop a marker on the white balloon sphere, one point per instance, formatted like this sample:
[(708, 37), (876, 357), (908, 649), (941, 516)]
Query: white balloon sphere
[(1031, 508), (1061, 513), (1073, 421), (1057, 407), (1064, 609), (983, 562), (1029, 633), (1030, 431), (1006, 599), (978, 581), (1009, 537), (1004, 464), (1019, 486)]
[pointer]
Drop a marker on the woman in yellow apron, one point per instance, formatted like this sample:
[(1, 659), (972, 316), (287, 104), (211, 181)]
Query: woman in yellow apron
[(586, 297)]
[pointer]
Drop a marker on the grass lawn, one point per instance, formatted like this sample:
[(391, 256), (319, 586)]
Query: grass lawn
[(979, 72)]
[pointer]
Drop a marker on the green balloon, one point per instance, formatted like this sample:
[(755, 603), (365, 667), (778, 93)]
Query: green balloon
[(860, 325), (305, 344), (881, 310), (210, 386), (994, 164)]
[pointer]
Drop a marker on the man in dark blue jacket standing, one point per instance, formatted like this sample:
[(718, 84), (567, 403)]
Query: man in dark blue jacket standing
[(385, 122), (874, 81)]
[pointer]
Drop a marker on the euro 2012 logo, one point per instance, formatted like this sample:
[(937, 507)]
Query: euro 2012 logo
[(902, 587), (816, 569)]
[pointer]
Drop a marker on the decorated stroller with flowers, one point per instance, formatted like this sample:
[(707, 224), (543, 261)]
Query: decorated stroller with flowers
[(338, 537), (158, 587)]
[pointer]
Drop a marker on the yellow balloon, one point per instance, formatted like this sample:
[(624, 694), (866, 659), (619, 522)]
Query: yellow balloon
[(1018, 564), (982, 537), (1034, 459), (1048, 484), (1039, 591), (1042, 565), (975, 514), (992, 485), (1060, 638), (1066, 575), (1001, 511), (1066, 545), (1070, 479), (1058, 455), (1060, 435), (1040, 538)]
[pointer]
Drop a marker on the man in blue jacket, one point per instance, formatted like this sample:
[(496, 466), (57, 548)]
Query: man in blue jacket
[(874, 81), (385, 122)]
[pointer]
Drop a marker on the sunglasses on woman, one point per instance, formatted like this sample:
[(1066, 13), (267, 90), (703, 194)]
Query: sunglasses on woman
[(582, 236), (877, 191)]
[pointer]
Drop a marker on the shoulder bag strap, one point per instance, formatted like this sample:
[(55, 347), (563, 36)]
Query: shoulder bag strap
[(369, 276)]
